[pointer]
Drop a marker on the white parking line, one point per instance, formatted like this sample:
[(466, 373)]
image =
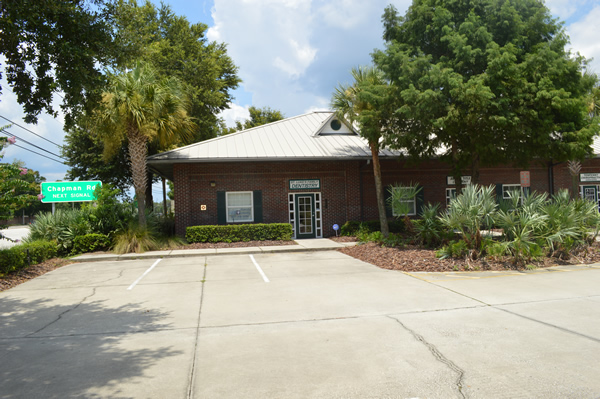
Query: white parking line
[(264, 276), (142, 276)]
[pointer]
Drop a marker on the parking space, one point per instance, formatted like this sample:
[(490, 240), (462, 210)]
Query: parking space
[(297, 325)]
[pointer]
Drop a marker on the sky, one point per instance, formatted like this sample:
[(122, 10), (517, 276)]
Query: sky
[(291, 55)]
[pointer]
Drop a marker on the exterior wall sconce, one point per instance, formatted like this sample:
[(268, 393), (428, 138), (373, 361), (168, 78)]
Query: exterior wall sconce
[(213, 183)]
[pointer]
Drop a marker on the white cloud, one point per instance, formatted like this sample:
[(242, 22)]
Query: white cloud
[(564, 8), (235, 113), (584, 37), (293, 53)]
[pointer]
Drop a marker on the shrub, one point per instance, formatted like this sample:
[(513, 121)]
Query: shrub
[(473, 209), (61, 227), (90, 243), (454, 249), (108, 215), (20, 256), (351, 228), (239, 232), (135, 239), (430, 230)]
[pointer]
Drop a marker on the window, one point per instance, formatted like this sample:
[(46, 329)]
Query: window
[(450, 194), (508, 188), (239, 207), (409, 205)]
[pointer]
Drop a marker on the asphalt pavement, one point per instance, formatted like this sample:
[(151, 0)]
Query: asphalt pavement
[(298, 325)]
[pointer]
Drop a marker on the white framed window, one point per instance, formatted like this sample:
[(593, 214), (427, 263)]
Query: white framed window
[(514, 188), (411, 205), (450, 195), (240, 208)]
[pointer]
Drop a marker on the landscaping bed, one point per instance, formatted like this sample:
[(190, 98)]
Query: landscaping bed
[(415, 259)]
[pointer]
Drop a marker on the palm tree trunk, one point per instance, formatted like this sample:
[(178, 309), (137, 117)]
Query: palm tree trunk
[(138, 153), (379, 189)]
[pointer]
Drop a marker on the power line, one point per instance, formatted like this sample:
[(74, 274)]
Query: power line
[(30, 131), (42, 155), (31, 144)]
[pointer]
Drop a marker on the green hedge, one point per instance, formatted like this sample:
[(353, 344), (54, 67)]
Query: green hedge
[(239, 232), (16, 258), (352, 227), (90, 243)]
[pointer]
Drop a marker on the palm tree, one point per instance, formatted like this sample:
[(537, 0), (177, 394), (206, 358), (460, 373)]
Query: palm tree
[(363, 104), (142, 107)]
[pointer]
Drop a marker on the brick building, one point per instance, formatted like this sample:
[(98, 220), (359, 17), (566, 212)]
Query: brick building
[(313, 172)]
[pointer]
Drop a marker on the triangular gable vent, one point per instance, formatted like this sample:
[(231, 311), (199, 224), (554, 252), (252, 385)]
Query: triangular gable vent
[(334, 126)]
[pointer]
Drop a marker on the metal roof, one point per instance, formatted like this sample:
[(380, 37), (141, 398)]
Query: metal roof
[(300, 138), (303, 137)]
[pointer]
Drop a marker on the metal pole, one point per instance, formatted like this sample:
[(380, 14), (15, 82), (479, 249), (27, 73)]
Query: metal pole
[(53, 207)]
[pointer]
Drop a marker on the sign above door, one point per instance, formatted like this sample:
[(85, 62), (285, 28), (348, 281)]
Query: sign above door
[(306, 184)]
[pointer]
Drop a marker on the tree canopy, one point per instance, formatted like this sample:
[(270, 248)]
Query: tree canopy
[(176, 48), (14, 189), (485, 82), (258, 117), (143, 108), (55, 46), (366, 103)]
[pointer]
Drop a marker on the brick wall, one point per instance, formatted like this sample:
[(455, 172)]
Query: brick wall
[(345, 185)]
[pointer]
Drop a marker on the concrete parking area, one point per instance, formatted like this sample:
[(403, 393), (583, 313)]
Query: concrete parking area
[(298, 325)]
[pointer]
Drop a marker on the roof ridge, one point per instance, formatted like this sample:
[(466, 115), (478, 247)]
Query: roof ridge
[(239, 132)]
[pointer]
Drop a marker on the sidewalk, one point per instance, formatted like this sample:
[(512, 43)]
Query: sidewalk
[(315, 244)]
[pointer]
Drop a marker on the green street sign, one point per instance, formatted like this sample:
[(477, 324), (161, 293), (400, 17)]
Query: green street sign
[(69, 191)]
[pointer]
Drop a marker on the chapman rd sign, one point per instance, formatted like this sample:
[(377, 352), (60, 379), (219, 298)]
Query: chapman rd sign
[(69, 191)]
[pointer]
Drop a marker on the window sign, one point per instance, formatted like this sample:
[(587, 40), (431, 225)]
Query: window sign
[(589, 177), (307, 184), (239, 207), (451, 182)]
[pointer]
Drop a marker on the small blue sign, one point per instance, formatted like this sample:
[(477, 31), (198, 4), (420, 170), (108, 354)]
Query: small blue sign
[(336, 227)]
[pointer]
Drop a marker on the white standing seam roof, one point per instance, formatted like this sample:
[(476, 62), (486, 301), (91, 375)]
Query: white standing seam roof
[(293, 138), (303, 137)]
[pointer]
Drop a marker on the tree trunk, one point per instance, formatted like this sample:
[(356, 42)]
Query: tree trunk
[(138, 153), (475, 167), (149, 197), (379, 189)]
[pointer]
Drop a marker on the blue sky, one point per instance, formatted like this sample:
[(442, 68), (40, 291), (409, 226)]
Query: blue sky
[(291, 55)]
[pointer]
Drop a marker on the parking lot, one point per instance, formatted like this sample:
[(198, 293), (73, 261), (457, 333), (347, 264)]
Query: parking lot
[(298, 325)]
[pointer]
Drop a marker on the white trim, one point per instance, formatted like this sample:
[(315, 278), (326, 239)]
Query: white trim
[(251, 207), (318, 197)]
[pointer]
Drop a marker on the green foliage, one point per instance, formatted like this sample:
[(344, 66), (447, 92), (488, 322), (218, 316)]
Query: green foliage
[(107, 214), (400, 197), (83, 150), (56, 46), (258, 117), (352, 227), (429, 229), (62, 227), (90, 243), (30, 253), (470, 211), (239, 232), (365, 104), (142, 107), (485, 82), (14, 188), (454, 249), (180, 49), (135, 238)]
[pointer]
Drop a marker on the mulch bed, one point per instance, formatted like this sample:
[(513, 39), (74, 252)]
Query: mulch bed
[(416, 259), (23, 275)]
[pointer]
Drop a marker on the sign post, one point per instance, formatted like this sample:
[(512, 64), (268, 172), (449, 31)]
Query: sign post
[(69, 191)]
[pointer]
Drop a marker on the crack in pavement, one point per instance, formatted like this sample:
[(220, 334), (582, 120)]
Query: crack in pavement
[(190, 393), (440, 357), (63, 313)]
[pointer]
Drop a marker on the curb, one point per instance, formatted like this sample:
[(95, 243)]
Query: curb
[(208, 252)]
